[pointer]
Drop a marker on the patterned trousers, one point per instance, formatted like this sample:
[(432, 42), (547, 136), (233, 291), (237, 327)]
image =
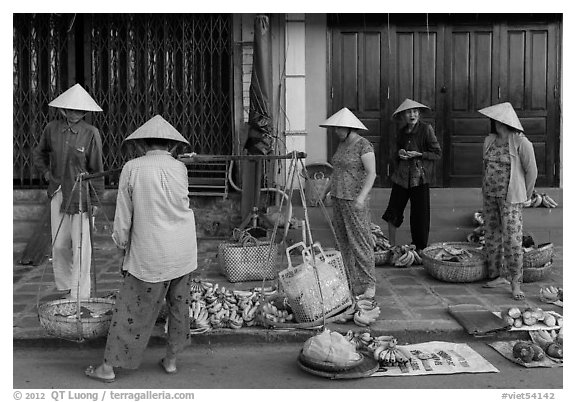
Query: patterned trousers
[(503, 225), (355, 242), (135, 313)]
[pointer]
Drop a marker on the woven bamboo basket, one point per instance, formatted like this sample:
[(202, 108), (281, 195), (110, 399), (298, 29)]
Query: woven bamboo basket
[(458, 272), (539, 256), (248, 262), (536, 274), (56, 320), (381, 257)]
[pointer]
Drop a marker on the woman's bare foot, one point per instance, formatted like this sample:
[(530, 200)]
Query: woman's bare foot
[(494, 283), (517, 293)]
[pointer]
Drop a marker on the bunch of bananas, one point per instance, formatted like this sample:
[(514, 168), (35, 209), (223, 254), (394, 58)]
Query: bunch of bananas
[(405, 256), (367, 311), (540, 200), (275, 314), (392, 356), (199, 315), (381, 242), (551, 294), (383, 348)]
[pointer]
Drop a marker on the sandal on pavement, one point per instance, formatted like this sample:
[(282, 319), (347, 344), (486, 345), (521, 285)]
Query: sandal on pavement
[(166, 370), (91, 373)]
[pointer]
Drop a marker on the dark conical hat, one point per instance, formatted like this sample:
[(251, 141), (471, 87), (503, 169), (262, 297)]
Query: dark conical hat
[(157, 127), (76, 98), (344, 118), (504, 113), (407, 105)]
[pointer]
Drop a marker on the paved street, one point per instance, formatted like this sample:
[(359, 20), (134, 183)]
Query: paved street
[(268, 366)]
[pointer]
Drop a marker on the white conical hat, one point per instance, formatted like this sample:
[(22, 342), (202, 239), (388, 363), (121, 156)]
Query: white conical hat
[(406, 105), (504, 113), (344, 118), (157, 127), (76, 98)]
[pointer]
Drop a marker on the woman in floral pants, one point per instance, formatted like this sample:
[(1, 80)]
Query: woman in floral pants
[(352, 179), (508, 181)]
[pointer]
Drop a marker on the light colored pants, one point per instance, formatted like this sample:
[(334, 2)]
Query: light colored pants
[(66, 258)]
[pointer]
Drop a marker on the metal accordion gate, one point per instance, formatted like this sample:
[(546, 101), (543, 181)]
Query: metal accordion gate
[(134, 66)]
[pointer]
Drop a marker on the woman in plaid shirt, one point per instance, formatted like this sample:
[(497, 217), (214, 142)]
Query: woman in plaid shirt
[(155, 230)]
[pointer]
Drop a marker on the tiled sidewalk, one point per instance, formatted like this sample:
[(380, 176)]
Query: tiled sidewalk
[(413, 304)]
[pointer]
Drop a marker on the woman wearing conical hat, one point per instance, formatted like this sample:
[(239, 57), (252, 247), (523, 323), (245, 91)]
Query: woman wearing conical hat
[(508, 181), (413, 160), (68, 147), (351, 181), (155, 230)]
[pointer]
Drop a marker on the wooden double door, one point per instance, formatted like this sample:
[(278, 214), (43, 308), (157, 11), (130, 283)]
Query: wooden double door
[(456, 65)]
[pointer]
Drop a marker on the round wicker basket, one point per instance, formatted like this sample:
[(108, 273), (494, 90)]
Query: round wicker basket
[(381, 257), (58, 319), (539, 256), (535, 274), (448, 271)]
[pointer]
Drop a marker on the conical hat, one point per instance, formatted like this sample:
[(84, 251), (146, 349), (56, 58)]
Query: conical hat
[(344, 118), (157, 127), (504, 113), (406, 105), (76, 98)]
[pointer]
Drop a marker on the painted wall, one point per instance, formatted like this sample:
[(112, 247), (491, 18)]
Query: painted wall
[(316, 87)]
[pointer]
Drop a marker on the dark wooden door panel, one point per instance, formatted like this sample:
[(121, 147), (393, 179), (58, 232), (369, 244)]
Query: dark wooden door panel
[(456, 67), (529, 62), (470, 86), (357, 84), (417, 73)]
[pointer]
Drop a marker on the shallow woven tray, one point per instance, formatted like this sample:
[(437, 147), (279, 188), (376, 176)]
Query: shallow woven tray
[(327, 366), (535, 274), (381, 257), (368, 367), (539, 257), (68, 327), (458, 272)]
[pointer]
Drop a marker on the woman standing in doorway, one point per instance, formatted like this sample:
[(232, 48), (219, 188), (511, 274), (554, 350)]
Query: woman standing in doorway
[(413, 159)]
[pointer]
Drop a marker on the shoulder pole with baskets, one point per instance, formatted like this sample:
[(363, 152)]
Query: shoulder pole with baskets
[(63, 318)]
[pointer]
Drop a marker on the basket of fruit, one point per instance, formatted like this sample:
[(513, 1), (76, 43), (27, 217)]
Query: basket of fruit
[(60, 318), (539, 256), (455, 262)]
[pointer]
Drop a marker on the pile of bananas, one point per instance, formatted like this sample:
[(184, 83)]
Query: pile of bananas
[(383, 348), (381, 242), (405, 256), (367, 311), (540, 200), (276, 314), (217, 307)]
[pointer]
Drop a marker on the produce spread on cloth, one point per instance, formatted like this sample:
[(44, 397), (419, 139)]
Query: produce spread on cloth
[(331, 351), (215, 307)]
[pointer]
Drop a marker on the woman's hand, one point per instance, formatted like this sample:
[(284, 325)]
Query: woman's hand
[(413, 154), (403, 154), (359, 203)]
